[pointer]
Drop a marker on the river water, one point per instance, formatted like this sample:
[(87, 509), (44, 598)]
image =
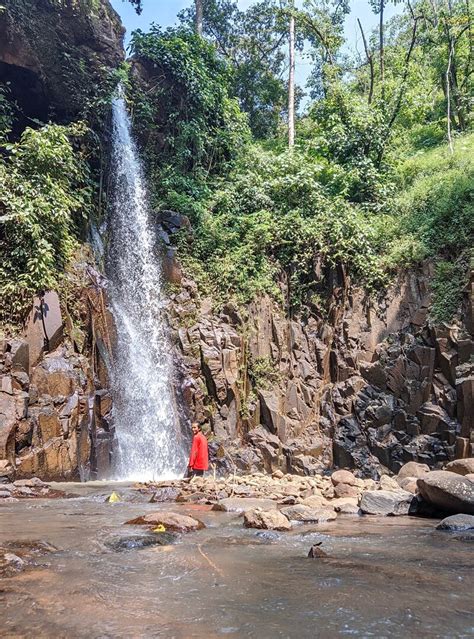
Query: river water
[(387, 577)]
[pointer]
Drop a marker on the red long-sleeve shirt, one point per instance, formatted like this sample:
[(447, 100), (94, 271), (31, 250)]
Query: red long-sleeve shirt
[(199, 457)]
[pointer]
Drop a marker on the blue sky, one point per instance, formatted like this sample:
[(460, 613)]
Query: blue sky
[(164, 12)]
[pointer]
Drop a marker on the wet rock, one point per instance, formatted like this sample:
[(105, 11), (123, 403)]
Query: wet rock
[(456, 523), (165, 494), (170, 520), (461, 466), (316, 552), (267, 536), (10, 564), (15, 556), (383, 502), (447, 491), (305, 514), (268, 519), (137, 542), (241, 504)]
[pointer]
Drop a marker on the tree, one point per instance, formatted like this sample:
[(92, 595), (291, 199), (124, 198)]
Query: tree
[(199, 16), (291, 79), (137, 4), (252, 41)]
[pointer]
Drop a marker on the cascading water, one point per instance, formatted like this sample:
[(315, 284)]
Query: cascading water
[(149, 440)]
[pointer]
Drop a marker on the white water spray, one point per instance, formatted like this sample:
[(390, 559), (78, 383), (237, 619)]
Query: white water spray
[(149, 439)]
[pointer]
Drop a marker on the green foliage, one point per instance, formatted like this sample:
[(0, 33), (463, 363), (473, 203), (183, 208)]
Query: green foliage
[(251, 43), (44, 185), (6, 112), (277, 214), (189, 119), (447, 287), (435, 209), (262, 373)]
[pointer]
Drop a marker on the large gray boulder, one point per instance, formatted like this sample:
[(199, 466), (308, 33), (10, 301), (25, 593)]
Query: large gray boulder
[(447, 491), (456, 523), (386, 502)]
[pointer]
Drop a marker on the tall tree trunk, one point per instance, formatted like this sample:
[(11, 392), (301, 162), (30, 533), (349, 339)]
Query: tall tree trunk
[(448, 98), (199, 11), (381, 51), (291, 82)]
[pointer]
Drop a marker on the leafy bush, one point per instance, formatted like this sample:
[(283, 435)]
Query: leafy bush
[(447, 287), (435, 208), (185, 114), (44, 186), (276, 215), (262, 373)]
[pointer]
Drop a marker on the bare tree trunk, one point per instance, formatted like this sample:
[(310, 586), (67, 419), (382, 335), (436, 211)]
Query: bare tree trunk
[(199, 12), (291, 83), (370, 60), (381, 50), (448, 98)]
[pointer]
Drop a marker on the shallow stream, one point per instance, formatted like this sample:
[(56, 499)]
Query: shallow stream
[(386, 577)]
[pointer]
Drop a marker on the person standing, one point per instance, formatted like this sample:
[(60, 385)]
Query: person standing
[(199, 456)]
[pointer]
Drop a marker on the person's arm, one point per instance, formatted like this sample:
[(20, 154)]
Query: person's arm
[(192, 455)]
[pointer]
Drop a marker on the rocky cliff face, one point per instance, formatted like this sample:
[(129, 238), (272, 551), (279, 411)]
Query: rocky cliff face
[(370, 387), (56, 56), (55, 409)]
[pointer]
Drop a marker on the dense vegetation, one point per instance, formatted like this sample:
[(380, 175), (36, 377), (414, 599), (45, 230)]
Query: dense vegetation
[(382, 172), (381, 176)]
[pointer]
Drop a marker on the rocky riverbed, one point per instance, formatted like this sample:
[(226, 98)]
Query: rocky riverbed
[(95, 567)]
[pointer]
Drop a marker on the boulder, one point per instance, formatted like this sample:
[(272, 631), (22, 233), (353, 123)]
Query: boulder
[(456, 523), (409, 484), (345, 490), (137, 542), (241, 504), (461, 466), (170, 520), (384, 502), (343, 477), (315, 501), (413, 469), (348, 507), (268, 519), (447, 491), (388, 483), (305, 514)]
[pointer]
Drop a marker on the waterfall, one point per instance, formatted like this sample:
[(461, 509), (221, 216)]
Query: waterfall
[(147, 429)]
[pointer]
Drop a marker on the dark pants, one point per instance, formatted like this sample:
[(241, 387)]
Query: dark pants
[(194, 473)]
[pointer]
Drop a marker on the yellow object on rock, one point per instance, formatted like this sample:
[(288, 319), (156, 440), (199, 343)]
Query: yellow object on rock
[(159, 528), (114, 498)]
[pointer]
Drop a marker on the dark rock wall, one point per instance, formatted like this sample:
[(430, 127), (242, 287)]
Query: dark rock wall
[(56, 56), (370, 387)]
